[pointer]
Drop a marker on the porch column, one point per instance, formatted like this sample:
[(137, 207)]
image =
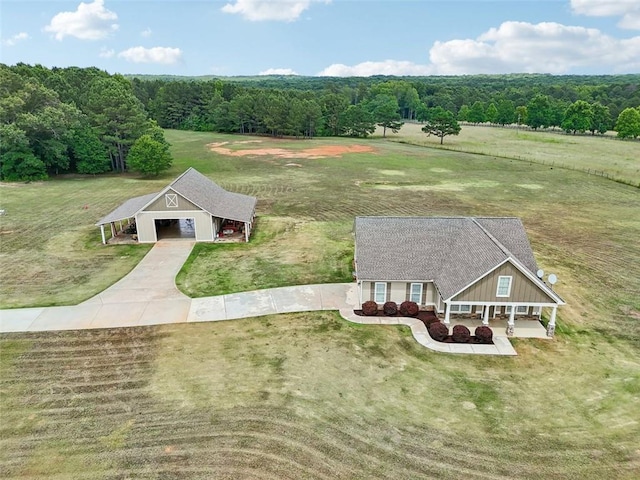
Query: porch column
[(113, 229), (247, 230), (512, 321), (446, 313), (485, 317), (551, 327), (104, 240)]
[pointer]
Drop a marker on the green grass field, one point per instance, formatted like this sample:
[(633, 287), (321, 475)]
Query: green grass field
[(601, 156), (310, 395)]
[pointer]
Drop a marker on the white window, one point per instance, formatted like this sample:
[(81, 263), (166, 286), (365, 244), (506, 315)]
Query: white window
[(172, 200), (460, 308), (380, 292), (504, 286), (522, 309), (416, 293)]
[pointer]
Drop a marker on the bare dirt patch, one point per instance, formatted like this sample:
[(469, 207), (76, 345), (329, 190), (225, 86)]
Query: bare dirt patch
[(325, 151)]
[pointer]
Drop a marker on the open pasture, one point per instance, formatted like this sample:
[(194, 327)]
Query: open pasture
[(616, 158), (310, 395)]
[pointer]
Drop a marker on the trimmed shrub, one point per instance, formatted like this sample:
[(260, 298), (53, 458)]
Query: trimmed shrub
[(370, 308), (438, 331), (430, 320), (390, 308), (409, 309), (461, 334), (484, 334)]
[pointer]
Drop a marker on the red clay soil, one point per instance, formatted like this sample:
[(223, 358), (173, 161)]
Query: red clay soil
[(313, 153)]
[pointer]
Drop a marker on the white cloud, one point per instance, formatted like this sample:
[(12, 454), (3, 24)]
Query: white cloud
[(18, 37), (91, 21), (106, 52), (629, 10), (542, 48), (261, 10), (278, 71), (161, 55), (146, 33), (367, 69), (514, 47)]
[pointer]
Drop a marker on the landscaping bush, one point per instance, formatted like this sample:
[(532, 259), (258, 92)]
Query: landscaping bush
[(409, 309), (438, 331), (484, 334), (428, 321), (390, 308), (370, 308), (461, 334)]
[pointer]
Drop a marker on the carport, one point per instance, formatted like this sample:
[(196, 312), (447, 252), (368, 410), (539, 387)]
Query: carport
[(193, 200)]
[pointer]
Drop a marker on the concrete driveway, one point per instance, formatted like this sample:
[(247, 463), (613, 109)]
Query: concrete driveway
[(148, 296)]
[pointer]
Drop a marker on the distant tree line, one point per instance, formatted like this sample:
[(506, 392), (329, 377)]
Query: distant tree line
[(309, 106), (87, 121)]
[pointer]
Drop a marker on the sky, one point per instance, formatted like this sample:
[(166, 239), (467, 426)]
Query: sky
[(325, 37)]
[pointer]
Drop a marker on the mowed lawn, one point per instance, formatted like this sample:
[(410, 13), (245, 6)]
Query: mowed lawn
[(311, 395)]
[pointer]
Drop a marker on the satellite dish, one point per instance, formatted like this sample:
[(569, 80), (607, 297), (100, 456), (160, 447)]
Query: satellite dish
[(553, 279), (540, 273)]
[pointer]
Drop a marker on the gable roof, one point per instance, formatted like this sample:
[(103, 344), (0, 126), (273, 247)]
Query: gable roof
[(209, 196), (453, 252), (199, 190)]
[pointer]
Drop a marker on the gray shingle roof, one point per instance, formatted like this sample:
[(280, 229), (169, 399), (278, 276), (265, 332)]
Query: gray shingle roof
[(128, 209), (201, 191), (450, 251)]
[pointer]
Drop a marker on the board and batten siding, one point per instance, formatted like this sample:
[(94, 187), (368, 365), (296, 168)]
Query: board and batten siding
[(399, 292), (522, 288), (160, 204)]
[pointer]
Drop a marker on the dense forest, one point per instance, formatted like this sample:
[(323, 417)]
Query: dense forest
[(87, 121)]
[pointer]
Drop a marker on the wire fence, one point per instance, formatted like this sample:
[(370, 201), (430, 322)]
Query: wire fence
[(538, 161)]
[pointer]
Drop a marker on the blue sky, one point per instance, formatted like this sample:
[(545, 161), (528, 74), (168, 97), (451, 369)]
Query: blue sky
[(325, 37)]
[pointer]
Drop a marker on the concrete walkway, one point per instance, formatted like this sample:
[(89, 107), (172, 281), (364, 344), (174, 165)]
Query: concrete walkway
[(501, 344), (148, 296)]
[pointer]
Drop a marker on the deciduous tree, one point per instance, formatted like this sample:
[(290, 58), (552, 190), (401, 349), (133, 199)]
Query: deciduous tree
[(476, 113), (506, 112), (148, 156), (539, 112), (628, 124), (601, 118), (577, 117), (491, 114)]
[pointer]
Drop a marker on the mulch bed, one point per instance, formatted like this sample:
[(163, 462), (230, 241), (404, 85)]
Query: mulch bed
[(427, 317)]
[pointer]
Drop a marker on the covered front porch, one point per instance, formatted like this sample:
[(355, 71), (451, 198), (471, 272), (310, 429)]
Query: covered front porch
[(524, 327), (517, 320)]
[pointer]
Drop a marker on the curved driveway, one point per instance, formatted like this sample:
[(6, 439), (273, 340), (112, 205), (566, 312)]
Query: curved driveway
[(148, 296)]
